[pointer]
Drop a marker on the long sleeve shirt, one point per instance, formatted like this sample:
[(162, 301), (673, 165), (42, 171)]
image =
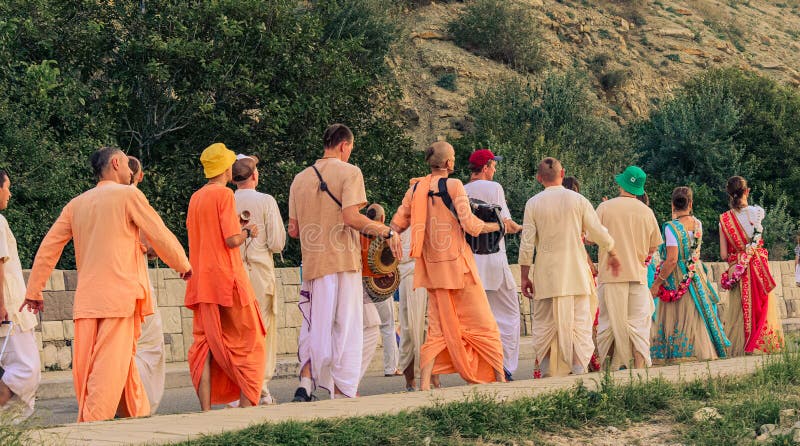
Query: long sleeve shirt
[(271, 239), (104, 223), (554, 222)]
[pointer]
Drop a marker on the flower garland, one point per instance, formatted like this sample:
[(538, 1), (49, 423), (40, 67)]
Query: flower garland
[(734, 274), (683, 286)]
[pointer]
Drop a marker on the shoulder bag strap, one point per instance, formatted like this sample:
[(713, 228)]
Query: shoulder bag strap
[(323, 186)]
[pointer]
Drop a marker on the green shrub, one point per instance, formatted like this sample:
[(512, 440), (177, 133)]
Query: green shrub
[(502, 31), (613, 79), (448, 81)]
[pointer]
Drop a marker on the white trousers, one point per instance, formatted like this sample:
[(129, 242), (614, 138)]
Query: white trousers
[(562, 334), (372, 323), (626, 310), (150, 359), (388, 335), (22, 375), (331, 335), (413, 307), (504, 303)]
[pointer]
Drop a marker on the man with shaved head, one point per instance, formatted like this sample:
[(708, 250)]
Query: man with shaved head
[(560, 283), (113, 294), (462, 333)]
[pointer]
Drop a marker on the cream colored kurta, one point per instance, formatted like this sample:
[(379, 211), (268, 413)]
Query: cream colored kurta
[(554, 222), (257, 254)]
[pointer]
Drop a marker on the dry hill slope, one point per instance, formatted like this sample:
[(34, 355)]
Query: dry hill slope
[(640, 52)]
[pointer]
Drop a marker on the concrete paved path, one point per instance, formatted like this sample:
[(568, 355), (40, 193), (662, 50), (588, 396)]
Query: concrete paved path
[(173, 428)]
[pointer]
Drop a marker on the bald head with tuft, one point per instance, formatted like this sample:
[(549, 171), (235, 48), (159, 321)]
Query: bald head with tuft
[(438, 154)]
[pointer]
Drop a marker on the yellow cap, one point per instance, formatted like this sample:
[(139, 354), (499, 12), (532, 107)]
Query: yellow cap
[(216, 159)]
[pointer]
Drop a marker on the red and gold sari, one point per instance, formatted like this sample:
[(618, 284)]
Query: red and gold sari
[(751, 305)]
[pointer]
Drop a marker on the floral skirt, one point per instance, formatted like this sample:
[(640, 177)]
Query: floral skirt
[(772, 336), (679, 333)]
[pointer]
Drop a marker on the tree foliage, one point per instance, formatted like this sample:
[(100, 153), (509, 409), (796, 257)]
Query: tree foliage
[(164, 79)]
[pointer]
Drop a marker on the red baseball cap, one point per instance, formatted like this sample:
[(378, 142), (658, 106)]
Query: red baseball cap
[(480, 157)]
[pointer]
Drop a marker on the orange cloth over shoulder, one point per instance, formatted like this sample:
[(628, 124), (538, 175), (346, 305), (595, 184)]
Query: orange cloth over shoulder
[(227, 320), (462, 333)]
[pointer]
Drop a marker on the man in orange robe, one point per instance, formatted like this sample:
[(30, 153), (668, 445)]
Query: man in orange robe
[(227, 359), (462, 333), (113, 294)]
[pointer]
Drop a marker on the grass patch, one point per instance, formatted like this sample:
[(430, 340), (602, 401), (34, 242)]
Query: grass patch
[(448, 81), (502, 31)]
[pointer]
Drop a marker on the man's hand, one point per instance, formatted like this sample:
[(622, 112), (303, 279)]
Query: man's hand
[(528, 290), (187, 275), (396, 246), (34, 306), (490, 227), (654, 289), (614, 265), (253, 230)]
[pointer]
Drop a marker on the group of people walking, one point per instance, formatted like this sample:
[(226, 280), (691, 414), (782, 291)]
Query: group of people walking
[(649, 298)]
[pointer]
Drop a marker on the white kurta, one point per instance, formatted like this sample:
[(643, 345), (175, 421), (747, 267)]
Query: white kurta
[(257, 254), (554, 223), (21, 359), (332, 332), (413, 307), (495, 274)]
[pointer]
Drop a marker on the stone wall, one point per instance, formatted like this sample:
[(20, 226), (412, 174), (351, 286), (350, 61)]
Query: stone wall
[(55, 333)]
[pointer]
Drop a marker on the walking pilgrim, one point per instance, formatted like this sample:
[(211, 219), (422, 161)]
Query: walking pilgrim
[(493, 269), (324, 204), (113, 294), (560, 283), (20, 361), (227, 358), (150, 358), (462, 334), (626, 306), (261, 211), (412, 309)]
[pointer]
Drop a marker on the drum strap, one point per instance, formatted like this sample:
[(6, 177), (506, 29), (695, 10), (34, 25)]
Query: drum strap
[(323, 186)]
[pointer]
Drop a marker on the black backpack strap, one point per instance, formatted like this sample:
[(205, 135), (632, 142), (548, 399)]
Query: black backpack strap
[(445, 196), (323, 186)]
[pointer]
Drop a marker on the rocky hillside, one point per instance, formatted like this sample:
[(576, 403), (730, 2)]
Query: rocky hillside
[(635, 52)]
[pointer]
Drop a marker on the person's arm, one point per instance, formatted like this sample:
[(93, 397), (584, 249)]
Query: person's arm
[(46, 258), (511, 226), (527, 247), (401, 219), (164, 242), (669, 264), (276, 234), (471, 224), (3, 310), (354, 197), (723, 245), (597, 233)]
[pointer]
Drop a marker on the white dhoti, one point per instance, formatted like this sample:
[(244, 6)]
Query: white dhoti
[(413, 306), (562, 334), (626, 310), (388, 335), (150, 359), (372, 323), (505, 307), (332, 332), (22, 373)]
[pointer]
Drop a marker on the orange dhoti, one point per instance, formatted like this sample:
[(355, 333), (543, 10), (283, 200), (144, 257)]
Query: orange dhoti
[(462, 334), (235, 337), (104, 369)]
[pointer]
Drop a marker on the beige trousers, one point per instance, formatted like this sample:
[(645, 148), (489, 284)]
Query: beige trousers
[(626, 311), (562, 334)]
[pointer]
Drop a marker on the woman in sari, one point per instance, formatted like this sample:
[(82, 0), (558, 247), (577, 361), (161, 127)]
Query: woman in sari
[(751, 317), (687, 325)]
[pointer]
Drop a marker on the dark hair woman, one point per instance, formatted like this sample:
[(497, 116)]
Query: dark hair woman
[(752, 315), (687, 324)]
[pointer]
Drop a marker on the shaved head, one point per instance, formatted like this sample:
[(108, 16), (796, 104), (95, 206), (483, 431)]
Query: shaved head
[(438, 153), (375, 212), (549, 170)]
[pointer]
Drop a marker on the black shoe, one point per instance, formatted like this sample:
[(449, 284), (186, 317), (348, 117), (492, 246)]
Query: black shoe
[(301, 396), (508, 375)]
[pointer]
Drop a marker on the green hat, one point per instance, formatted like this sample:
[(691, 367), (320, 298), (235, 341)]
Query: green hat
[(632, 180)]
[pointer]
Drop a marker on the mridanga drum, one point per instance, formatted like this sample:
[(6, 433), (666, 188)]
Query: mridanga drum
[(379, 268)]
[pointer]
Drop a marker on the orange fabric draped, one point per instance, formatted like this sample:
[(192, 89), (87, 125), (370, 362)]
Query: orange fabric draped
[(462, 334), (419, 215), (235, 338), (104, 369), (755, 283)]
